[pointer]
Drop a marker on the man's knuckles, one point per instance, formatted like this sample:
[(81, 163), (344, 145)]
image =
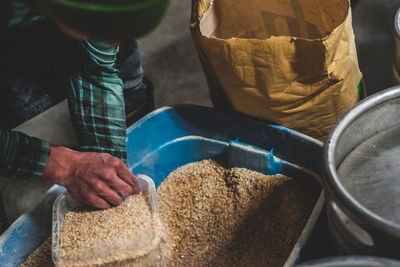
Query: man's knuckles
[(108, 174), (115, 163), (98, 186)]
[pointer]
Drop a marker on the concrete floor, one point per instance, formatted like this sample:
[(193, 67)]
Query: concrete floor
[(169, 59), (171, 62)]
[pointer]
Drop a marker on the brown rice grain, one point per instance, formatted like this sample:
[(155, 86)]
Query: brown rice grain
[(41, 257), (231, 217)]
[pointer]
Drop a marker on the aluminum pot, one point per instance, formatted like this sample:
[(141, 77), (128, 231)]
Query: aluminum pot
[(361, 169), (352, 261), (396, 66)]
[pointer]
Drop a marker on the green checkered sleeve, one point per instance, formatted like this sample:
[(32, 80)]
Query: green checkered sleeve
[(96, 101), (22, 156)]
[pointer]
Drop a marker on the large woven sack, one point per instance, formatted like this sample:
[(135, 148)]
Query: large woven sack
[(290, 62)]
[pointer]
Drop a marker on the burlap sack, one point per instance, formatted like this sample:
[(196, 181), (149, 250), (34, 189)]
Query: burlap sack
[(291, 62)]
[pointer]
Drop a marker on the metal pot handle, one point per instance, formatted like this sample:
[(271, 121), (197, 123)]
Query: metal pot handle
[(348, 238)]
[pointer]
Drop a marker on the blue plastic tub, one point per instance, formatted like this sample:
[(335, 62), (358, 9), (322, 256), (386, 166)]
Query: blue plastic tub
[(173, 136)]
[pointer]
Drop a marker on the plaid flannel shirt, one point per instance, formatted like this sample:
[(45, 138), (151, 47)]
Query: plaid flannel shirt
[(96, 105)]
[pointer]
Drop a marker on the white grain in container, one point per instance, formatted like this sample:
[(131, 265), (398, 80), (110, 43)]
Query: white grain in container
[(127, 235)]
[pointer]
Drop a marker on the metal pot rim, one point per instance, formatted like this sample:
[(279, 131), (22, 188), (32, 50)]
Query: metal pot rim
[(397, 23), (335, 188), (349, 259)]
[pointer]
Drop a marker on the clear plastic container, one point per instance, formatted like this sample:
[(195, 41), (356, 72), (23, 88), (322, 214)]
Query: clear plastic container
[(146, 250)]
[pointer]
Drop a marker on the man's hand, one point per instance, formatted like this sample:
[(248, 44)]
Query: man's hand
[(97, 179)]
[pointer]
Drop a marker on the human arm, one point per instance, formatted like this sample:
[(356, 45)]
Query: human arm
[(97, 179), (97, 107), (22, 156), (96, 100), (56, 176)]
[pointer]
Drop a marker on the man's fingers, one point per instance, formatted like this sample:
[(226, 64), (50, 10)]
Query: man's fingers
[(129, 178), (118, 185), (102, 180), (106, 192), (90, 197)]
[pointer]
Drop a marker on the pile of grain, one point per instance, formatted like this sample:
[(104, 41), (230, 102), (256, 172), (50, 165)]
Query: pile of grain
[(223, 217), (41, 257), (128, 230), (231, 217)]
